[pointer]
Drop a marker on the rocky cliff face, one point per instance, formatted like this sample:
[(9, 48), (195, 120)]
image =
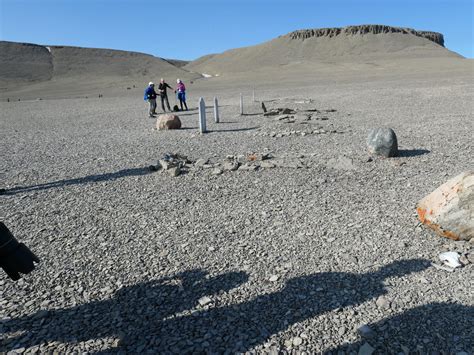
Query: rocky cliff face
[(364, 29)]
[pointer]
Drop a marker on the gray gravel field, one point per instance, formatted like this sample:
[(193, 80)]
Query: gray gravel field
[(316, 250)]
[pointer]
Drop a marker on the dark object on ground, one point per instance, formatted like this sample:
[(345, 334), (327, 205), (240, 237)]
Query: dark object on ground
[(280, 111), (264, 108), (382, 142), (3, 191), (15, 258), (175, 108), (153, 168)]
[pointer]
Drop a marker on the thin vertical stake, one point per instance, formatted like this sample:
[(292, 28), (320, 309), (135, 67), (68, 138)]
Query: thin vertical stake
[(202, 116), (241, 105), (216, 110)]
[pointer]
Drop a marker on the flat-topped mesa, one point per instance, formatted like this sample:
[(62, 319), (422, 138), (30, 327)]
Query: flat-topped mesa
[(364, 29)]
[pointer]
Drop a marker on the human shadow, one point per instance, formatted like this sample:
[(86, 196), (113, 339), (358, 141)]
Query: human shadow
[(152, 315), (407, 153), (78, 181), (428, 329)]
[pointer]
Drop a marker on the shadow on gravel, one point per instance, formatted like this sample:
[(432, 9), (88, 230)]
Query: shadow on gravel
[(252, 114), (406, 153), (149, 316), (77, 181), (235, 129), (186, 114), (428, 329)]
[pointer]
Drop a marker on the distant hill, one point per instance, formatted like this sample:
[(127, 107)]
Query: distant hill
[(22, 63), (39, 71), (350, 44)]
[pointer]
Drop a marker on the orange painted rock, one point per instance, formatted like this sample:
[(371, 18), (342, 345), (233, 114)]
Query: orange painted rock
[(168, 121), (449, 210)]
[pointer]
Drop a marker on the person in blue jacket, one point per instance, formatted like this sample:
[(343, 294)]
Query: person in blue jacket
[(150, 96)]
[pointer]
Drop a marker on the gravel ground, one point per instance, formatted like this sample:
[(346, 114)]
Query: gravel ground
[(293, 258)]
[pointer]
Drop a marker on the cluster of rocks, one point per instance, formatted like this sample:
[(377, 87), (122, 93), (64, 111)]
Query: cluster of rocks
[(302, 133), (299, 120), (253, 162), (177, 164), (281, 112), (278, 111), (173, 164)]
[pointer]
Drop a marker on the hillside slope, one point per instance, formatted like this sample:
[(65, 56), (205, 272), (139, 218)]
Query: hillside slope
[(348, 44), (29, 64), (24, 62)]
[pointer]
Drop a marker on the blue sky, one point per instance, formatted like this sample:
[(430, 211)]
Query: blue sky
[(187, 29)]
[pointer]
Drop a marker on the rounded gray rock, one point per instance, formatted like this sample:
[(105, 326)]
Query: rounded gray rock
[(383, 142), (168, 121)]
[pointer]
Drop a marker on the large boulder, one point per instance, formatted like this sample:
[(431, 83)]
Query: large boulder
[(449, 210), (382, 142), (168, 121)]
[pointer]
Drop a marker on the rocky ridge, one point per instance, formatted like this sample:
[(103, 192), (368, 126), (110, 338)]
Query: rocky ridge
[(362, 30)]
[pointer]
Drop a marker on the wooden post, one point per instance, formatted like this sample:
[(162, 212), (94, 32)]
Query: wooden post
[(216, 110), (253, 94), (202, 116), (241, 105)]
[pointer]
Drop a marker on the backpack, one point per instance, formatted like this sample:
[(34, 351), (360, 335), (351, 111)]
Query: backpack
[(175, 108)]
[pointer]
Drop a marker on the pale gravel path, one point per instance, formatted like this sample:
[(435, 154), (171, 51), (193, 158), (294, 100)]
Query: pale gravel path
[(127, 254)]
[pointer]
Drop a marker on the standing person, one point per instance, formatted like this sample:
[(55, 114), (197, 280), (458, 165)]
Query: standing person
[(150, 96), (164, 94), (181, 90)]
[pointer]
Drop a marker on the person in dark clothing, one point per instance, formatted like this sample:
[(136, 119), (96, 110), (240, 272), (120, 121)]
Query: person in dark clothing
[(164, 94), (150, 96), (181, 92)]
